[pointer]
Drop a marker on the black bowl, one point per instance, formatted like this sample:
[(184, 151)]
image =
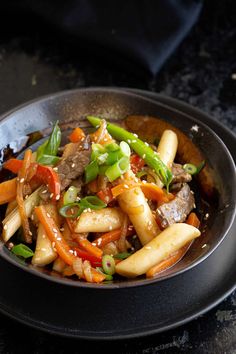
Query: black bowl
[(72, 106)]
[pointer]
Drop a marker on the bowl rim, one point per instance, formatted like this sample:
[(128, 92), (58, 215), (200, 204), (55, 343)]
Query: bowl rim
[(133, 282)]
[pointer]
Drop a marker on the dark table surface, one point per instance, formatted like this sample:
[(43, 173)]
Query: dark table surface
[(202, 72)]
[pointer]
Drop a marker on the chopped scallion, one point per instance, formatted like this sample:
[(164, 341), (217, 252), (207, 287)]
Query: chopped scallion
[(22, 251), (115, 171)]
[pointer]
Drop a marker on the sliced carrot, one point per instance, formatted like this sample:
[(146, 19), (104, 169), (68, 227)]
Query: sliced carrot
[(167, 263), (55, 236), (150, 190), (153, 192), (22, 178), (105, 195), (121, 188), (89, 247), (77, 135), (193, 220), (8, 191), (97, 276), (107, 237)]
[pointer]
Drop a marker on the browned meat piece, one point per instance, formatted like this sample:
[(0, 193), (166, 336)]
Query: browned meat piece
[(74, 160), (178, 209), (179, 175)]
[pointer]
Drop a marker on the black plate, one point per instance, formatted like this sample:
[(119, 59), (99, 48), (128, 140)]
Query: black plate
[(88, 313)]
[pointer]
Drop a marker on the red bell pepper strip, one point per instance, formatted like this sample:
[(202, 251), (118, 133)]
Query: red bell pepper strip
[(136, 163), (13, 165), (43, 174), (105, 195), (47, 175), (95, 261)]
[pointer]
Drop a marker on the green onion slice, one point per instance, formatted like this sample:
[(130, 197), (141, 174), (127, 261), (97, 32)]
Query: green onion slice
[(115, 171), (107, 276), (74, 210), (108, 264), (112, 147), (125, 149), (91, 171), (92, 202), (70, 195), (22, 250), (192, 169), (122, 255), (71, 210)]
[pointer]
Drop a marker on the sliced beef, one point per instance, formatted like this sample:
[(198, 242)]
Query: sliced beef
[(178, 209), (179, 174), (75, 158)]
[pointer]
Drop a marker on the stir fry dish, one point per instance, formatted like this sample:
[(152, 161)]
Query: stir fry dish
[(105, 206)]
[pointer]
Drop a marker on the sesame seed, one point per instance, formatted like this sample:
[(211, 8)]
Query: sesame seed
[(94, 244), (110, 227), (126, 186), (30, 233), (55, 169), (32, 217), (73, 165), (62, 229), (75, 253), (89, 210), (43, 236), (51, 195), (148, 247), (134, 141), (10, 245), (58, 238), (48, 215), (129, 141), (43, 249), (146, 143), (22, 180), (136, 136), (195, 128), (144, 155), (105, 139), (5, 227), (58, 197), (27, 196), (71, 251), (54, 230), (203, 246), (99, 241), (53, 244)]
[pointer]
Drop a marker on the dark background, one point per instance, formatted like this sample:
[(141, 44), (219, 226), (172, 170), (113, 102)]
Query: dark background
[(36, 59)]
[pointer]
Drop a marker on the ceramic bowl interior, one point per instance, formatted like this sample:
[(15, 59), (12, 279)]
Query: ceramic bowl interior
[(71, 107)]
